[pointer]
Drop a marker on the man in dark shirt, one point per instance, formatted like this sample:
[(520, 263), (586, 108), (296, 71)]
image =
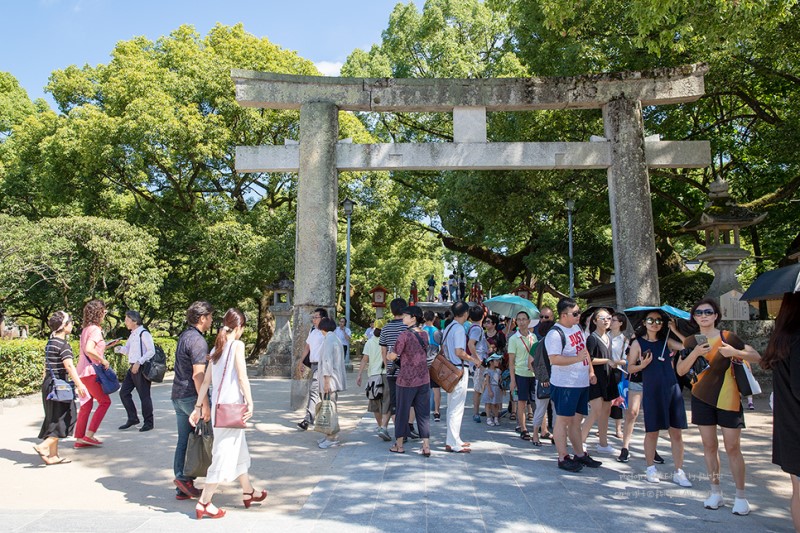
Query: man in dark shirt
[(389, 333), (190, 367)]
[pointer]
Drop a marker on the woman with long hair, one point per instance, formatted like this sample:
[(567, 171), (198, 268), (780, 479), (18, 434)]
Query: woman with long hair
[(716, 400), (605, 390), (227, 376), (783, 358), (59, 417), (92, 351), (651, 353), (619, 343)]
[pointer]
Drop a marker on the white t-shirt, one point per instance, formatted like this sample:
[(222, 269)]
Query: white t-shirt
[(314, 341), (341, 334), (575, 375)]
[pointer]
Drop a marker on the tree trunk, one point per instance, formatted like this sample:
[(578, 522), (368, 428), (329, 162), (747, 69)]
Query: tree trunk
[(265, 325)]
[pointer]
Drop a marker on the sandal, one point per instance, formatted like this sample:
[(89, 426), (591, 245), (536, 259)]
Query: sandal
[(547, 436), (512, 416), (252, 497), (59, 461), (525, 435), (395, 449), (41, 454), (426, 453), (536, 443)]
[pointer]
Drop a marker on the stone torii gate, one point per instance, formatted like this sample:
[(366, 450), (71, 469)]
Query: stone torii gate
[(624, 152)]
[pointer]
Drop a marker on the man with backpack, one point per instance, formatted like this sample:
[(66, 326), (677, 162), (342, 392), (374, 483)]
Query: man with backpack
[(139, 348), (477, 346), (571, 373)]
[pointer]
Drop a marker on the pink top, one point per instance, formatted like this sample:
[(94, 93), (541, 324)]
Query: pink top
[(90, 333)]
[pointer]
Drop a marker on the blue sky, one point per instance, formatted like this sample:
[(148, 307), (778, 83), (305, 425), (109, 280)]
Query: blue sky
[(40, 36)]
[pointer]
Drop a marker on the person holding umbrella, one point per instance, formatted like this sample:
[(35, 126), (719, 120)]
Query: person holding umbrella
[(716, 400)]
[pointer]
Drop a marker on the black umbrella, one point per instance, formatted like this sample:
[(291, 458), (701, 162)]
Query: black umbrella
[(774, 284)]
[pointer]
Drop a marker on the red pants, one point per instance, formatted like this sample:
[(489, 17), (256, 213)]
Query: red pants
[(103, 403)]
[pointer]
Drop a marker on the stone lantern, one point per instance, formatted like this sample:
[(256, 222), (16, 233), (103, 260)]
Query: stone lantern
[(722, 221), (277, 360)]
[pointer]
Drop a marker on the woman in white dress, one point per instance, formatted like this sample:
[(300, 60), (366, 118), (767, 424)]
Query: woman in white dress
[(227, 377)]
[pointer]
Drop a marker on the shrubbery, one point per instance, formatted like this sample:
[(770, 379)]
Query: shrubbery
[(22, 363)]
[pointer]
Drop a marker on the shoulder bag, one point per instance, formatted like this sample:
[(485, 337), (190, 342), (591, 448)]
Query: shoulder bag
[(60, 390), (154, 368), (228, 415)]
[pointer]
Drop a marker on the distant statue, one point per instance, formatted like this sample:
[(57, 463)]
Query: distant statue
[(413, 299)]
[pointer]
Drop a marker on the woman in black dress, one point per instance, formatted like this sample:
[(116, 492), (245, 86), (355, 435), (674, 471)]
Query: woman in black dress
[(59, 417), (605, 390), (783, 357)]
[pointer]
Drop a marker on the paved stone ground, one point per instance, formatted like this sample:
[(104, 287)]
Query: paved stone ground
[(505, 484)]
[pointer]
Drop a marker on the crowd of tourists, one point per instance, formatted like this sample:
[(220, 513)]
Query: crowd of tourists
[(554, 381), (557, 380)]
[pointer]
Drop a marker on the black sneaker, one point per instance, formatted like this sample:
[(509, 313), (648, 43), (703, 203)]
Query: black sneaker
[(658, 459), (437, 417), (303, 425), (623, 456), (569, 465), (586, 460), (412, 434)]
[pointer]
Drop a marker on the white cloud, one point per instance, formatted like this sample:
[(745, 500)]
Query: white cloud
[(329, 68)]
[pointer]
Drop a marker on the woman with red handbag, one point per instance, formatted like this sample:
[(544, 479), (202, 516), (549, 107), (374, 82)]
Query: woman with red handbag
[(230, 458)]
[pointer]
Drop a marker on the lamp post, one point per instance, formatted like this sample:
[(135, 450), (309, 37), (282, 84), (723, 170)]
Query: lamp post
[(348, 212), (570, 207)]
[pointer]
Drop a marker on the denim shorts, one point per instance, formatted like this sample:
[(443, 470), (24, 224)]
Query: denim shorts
[(568, 401)]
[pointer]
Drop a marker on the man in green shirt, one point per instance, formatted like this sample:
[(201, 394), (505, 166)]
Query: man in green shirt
[(520, 347)]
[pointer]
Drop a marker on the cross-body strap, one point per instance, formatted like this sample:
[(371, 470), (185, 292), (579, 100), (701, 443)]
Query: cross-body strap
[(224, 370)]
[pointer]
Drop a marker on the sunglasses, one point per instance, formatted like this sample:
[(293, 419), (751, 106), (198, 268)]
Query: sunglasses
[(545, 317), (656, 321), (604, 318), (575, 314), (706, 312)]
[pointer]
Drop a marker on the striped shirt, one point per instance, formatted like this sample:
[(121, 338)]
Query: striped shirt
[(55, 353), (389, 334)]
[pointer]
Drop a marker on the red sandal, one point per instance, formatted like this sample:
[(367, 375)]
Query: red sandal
[(251, 499), (200, 513)]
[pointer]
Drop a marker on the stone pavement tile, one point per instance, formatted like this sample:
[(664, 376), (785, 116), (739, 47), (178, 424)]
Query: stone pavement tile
[(17, 520)]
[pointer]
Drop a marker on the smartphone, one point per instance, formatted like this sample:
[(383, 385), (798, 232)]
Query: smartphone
[(701, 339)]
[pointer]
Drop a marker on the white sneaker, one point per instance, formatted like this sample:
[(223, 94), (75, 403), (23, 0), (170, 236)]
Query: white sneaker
[(606, 449), (320, 441), (715, 501), (651, 476), (680, 478), (490, 421), (497, 421), (740, 507), (329, 443)]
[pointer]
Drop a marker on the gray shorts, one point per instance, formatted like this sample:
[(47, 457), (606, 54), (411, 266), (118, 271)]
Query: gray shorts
[(634, 387), (383, 405)]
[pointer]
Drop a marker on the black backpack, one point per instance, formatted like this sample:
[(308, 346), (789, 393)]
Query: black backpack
[(154, 368)]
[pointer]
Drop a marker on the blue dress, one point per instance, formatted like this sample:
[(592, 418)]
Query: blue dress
[(662, 401)]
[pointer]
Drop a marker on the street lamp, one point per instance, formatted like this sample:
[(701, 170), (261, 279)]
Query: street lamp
[(570, 207), (348, 212)]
